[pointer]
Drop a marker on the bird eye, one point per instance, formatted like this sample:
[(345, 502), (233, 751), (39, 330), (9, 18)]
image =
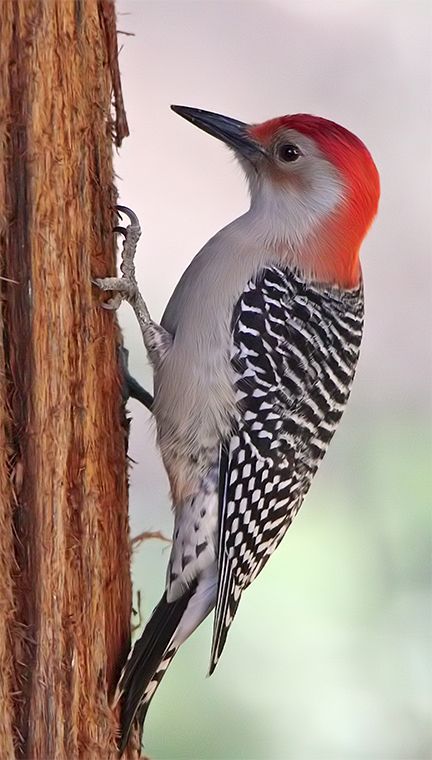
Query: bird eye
[(288, 152)]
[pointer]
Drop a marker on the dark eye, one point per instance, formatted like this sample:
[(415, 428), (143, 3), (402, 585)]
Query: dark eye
[(288, 152)]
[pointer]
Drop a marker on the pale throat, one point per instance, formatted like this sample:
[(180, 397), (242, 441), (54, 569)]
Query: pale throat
[(306, 230)]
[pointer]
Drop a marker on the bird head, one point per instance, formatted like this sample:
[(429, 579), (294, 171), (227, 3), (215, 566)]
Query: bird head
[(314, 188)]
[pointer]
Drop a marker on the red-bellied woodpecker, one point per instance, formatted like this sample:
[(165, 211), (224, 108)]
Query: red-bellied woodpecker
[(253, 365)]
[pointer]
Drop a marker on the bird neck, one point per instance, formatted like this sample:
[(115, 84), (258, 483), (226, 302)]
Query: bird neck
[(321, 240)]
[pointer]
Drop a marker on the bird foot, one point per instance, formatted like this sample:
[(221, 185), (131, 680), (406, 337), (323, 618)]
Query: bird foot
[(125, 288), (131, 387)]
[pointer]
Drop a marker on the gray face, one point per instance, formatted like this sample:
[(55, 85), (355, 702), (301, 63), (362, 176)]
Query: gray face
[(291, 198)]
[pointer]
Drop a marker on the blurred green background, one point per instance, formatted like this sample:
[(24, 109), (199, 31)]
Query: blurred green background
[(330, 654)]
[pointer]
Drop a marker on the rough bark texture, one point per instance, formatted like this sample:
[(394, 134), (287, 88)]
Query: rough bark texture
[(65, 591)]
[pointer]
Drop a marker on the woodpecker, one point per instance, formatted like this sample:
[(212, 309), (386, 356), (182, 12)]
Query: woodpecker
[(253, 366)]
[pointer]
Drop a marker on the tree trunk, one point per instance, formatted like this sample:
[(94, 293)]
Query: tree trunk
[(65, 590)]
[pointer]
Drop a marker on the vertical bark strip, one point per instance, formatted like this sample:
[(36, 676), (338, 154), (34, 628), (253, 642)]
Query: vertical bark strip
[(7, 563), (65, 592)]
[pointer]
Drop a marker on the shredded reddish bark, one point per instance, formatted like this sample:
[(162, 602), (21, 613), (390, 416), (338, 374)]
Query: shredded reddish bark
[(65, 589)]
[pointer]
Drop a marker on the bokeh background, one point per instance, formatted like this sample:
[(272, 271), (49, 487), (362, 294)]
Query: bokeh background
[(330, 654)]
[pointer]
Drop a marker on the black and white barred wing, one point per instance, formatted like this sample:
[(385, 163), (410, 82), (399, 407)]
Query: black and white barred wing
[(294, 366)]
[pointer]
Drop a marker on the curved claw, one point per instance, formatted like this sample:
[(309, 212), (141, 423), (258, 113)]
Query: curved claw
[(113, 303), (120, 230), (130, 214)]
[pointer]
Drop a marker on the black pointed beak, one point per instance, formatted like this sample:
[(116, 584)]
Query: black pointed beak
[(232, 132)]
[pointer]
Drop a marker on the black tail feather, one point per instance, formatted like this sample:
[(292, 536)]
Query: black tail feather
[(144, 661)]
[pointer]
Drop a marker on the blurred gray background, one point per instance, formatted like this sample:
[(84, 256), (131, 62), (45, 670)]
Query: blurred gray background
[(330, 654)]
